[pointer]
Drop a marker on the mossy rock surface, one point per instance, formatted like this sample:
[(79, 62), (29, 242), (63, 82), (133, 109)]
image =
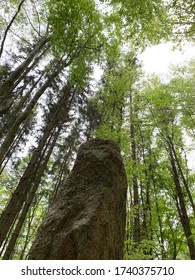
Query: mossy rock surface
[(87, 218)]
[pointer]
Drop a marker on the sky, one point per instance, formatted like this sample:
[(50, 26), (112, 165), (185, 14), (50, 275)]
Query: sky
[(157, 59)]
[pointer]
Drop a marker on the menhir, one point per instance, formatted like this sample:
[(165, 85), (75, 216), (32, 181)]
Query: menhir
[(87, 218)]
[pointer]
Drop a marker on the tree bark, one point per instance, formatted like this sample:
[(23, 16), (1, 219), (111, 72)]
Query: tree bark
[(136, 199), (182, 207), (56, 120), (31, 194), (9, 26), (15, 75), (22, 117), (182, 175)]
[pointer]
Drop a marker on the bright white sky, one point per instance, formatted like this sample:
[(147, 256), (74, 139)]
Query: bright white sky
[(157, 59)]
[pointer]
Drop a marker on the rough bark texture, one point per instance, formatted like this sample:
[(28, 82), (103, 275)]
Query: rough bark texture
[(87, 218)]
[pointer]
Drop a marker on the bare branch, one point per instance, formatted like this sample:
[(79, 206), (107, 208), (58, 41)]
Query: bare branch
[(29, 20), (9, 26)]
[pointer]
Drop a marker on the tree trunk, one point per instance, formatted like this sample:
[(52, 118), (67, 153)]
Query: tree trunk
[(57, 118), (182, 207), (31, 194), (182, 175), (15, 75), (9, 26), (22, 117), (12, 116), (161, 239), (136, 199)]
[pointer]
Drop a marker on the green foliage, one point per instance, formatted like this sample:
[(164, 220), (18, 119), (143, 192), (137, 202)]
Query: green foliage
[(144, 21), (80, 71), (142, 252), (155, 110), (5, 192), (182, 17), (120, 74), (74, 25), (143, 117)]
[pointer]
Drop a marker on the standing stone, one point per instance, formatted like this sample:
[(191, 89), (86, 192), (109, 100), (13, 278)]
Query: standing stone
[(87, 218)]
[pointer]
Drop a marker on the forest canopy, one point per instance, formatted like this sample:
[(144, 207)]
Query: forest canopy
[(50, 104)]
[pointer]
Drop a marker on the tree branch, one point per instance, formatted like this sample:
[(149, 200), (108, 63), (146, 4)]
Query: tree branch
[(8, 27)]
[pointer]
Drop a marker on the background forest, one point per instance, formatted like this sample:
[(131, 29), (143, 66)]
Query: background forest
[(50, 103)]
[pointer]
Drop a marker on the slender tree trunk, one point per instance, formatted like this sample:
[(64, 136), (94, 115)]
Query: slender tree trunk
[(19, 196), (15, 75), (161, 241), (182, 207), (31, 67), (31, 194), (173, 238), (24, 115), (136, 199), (14, 235), (30, 230), (147, 186), (13, 96), (9, 26), (60, 177), (180, 170), (12, 148), (12, 116), (129, 222)]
